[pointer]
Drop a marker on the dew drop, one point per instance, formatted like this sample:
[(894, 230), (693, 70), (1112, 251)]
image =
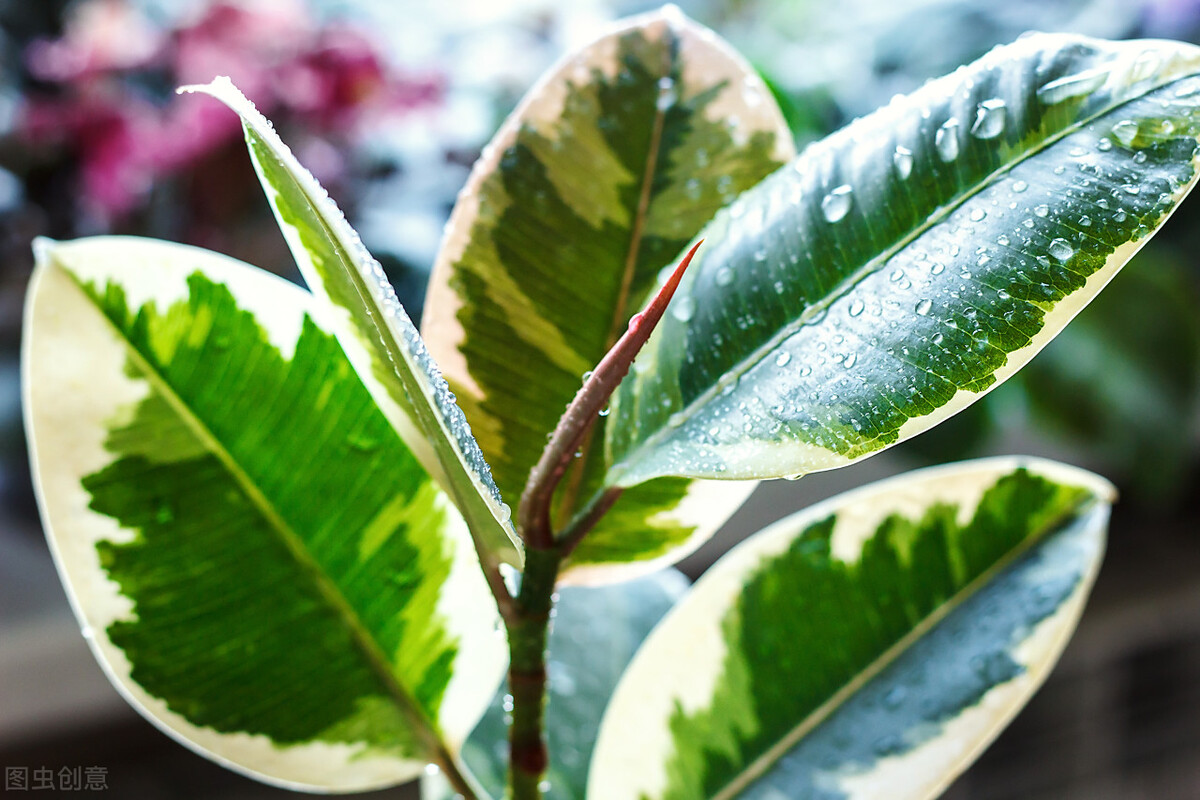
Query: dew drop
[(1042, 210), (903, 159), (1125, 131), (666, 94), (977, 214), (924, 307), (1085, 221), (1119, 215), (937, 268), (783, 358), (724, 276), (938, 338), (856, 308), (1068, 86), (683, 308), (895, 697), (946, 140), (1104, 145), (837, 203), (1020, 186), (1061, 249), (850, 361), (1002, 240), (1130, 189), (989, 119)]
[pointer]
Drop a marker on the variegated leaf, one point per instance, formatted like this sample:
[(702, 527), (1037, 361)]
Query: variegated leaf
[(374, 330), (903, 267), (258, 562), (868, 647), (607, 169)]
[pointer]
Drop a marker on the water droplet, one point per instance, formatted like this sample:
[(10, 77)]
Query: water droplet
[(1085, 221), (938, 338), (850, 361), (856, 308), (1125, 131), (977, 214), (1146, 65), (783, 358), (937, 268), (837, 203), (1068, 86), (683, 308), (1119, 215), (778, 286), (896, 275), (724, 276), (586, 375), (946, 140), (989, 119), (894, 697), (1104, 145), (903, 159), (1002, 240), (1042, 210), (1130, 189), (666, 94), (1020, 186), (1061, 249), (924, 307), (805, 371)]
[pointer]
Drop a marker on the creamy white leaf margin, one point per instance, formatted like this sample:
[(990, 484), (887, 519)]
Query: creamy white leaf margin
[(72, 394), (635, 742)]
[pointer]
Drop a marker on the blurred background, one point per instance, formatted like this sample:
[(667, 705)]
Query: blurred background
[(389, 103)]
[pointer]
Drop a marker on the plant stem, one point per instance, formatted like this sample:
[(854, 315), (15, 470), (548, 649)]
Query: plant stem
[(527, 635), (527, 616), (533, 513)]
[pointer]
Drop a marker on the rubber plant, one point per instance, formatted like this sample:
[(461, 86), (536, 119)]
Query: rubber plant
[(280, 514)]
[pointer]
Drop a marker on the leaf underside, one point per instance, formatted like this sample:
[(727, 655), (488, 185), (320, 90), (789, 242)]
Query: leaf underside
[(844, 653)]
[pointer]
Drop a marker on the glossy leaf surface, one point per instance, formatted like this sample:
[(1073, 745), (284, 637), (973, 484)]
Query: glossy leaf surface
[(596, 632), (606, 170), (904, 266), (868, 647), (260, 564), (374, 329)]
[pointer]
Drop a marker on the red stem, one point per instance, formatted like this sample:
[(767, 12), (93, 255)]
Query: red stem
[(533, 513)]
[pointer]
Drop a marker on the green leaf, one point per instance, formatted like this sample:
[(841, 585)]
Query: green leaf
[(870, 646), (596, 632), (261, 566), (374, 330), (594, 184), (906, 265)]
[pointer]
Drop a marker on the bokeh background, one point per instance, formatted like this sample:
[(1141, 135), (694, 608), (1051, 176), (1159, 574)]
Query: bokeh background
[(389, 102)]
